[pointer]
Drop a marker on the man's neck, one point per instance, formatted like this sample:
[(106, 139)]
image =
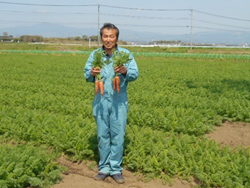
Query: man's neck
[(108, 51)]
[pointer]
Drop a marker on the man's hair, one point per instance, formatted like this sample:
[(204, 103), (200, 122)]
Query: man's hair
[(109, 26)]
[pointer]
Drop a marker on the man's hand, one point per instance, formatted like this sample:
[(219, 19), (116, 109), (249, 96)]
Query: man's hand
[(94, 71), (120, 69)]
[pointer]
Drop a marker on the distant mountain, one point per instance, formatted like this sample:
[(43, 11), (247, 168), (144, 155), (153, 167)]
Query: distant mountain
[(53, 30), (49, 30), (224, 37)]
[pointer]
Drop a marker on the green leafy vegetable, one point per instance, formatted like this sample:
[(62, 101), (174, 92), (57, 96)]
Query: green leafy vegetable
[(120, 57), (26, 166), (99, 61)]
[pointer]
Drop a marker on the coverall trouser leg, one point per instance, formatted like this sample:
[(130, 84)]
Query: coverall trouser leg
[(111, 126)]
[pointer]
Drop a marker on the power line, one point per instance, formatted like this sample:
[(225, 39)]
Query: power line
[(208, 28), (204, 21), (80, 23), (146, 9), (146, 17), (152, 26), (177, 26), (70, 5), (222, 16), (25, 12), (135, 25), (31, 4), (109, 14)]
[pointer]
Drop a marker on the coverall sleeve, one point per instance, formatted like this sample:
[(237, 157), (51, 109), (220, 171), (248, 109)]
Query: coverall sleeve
[(88, 67), (132, 69)]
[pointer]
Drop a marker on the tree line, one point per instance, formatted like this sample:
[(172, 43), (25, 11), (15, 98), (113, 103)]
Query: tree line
[(36, 38), (39, 38)]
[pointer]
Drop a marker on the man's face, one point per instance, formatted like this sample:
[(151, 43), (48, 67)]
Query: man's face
[(109, 38)]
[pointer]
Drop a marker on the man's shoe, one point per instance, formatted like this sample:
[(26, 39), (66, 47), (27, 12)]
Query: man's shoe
[(118, 178), (100, 176)]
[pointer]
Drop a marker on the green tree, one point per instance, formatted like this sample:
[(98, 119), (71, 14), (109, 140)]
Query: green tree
[(94, 38), (85, 37), (77, 38)]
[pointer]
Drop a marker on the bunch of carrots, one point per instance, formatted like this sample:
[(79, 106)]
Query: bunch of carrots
[(119, 58), (98, 63)]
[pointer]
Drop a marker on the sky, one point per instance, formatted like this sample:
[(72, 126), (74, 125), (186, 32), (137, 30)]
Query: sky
[(159, 16)]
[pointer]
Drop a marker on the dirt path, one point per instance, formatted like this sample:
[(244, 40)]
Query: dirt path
[(80, 175)]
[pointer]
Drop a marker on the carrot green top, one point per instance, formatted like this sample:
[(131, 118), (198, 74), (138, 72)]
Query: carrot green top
[(120, 57), (99, 61)]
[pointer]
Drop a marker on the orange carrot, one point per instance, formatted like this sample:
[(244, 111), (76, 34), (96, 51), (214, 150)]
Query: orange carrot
[(114, 84), (96, 87), (117, 83), (101, 87)]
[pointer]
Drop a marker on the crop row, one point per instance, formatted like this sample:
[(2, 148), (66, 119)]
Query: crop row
[(25, 166), (143, 54)]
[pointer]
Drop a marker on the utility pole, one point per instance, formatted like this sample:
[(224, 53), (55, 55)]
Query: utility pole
[(98, 26), (89, 42), (244, 39), (191, 32)]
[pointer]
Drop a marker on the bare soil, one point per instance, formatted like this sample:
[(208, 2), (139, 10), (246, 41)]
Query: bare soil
[(80, 175), (233, 134)]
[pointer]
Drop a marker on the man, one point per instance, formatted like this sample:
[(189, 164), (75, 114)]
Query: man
[(110, 109)]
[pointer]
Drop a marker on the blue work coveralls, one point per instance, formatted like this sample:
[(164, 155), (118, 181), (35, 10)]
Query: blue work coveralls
[(110, 112)]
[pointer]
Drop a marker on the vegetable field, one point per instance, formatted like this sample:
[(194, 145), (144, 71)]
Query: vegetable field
[(46, 111)]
